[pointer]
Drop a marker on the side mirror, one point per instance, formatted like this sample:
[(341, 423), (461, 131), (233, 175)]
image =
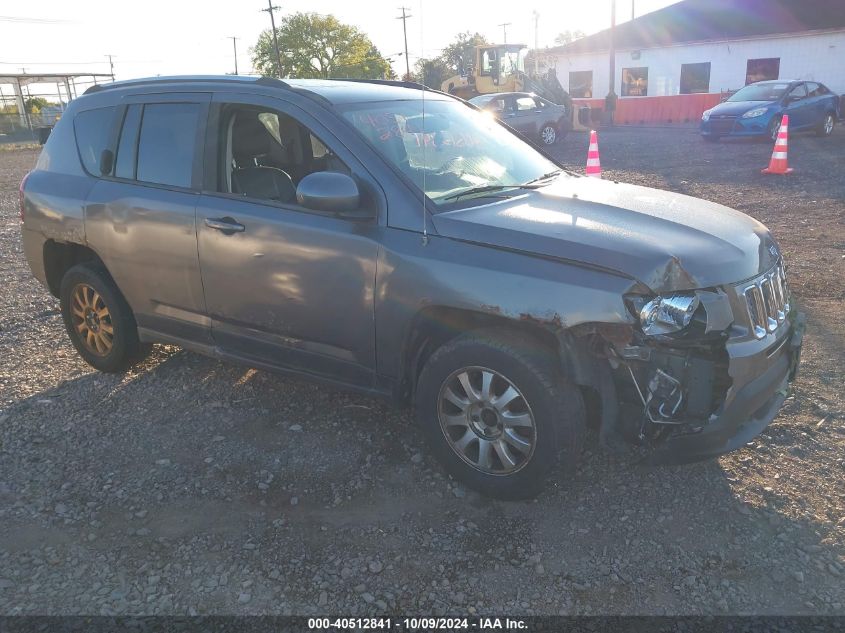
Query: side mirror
[(328, 191)]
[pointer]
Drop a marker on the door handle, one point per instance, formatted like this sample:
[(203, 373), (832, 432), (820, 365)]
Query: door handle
[(225, 225)]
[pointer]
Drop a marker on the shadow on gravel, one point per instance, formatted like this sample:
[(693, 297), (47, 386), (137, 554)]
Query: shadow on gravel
[(223, 482)]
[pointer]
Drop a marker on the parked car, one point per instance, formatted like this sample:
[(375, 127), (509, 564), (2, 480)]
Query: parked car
[(416, 249), (757, 110), (533, 116)]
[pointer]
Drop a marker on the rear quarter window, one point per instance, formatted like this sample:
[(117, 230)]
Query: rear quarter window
[(91, 128)]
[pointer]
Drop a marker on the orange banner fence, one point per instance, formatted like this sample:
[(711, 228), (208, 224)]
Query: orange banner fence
[(644, 110)]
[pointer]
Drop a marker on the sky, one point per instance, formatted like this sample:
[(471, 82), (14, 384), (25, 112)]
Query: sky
[(168, 37)]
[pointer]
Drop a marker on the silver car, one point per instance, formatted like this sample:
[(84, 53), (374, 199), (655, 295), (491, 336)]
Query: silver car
[(533, 116)]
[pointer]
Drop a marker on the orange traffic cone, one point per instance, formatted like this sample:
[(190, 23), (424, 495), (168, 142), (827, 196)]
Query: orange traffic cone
[(593, 162), (778, 164)]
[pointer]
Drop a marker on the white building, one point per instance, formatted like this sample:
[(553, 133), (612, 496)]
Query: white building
[(672, 64)]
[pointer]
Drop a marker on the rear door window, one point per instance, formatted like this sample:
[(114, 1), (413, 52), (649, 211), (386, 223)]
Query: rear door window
[(167, 143), (92, 128), (127, 145), (525, 103)]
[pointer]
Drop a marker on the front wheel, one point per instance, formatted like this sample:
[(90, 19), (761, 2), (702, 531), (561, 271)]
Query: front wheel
[(498, 413), (826, 126), (548, 134)]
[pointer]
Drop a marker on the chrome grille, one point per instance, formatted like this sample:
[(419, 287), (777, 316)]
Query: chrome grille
[(767, 298)]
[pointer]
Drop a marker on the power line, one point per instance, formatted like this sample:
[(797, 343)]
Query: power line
[(404, 17), (21, 20), (271, 9)]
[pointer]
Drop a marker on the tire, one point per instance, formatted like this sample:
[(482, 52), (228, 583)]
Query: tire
[(826, 126), (98, 320), (553, 406), (548, 134), (563, 126)]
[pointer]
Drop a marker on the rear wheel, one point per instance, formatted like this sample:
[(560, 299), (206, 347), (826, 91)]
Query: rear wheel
[(98, 320), (548, 134), (498, 413), (826, 126)]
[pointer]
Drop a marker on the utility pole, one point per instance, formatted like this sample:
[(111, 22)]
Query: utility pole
[(633, 10), (235, 49), (611, 95), (536, 43), (270, 9), (111, 66), (505, 31), (404, 18)]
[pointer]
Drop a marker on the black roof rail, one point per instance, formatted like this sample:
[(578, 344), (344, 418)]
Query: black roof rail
[(151, 81)]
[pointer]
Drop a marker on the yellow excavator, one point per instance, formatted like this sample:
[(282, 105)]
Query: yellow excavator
[(501, 68), (495, 68)]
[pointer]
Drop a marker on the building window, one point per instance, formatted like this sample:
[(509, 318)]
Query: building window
[(581, 84), (635, 82), (695, 78), (762, 69)]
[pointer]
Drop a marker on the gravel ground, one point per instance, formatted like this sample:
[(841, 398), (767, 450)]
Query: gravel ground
[(191, 486)]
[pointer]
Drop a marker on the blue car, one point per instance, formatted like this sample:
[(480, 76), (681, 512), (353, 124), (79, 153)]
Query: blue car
[(757, 109)]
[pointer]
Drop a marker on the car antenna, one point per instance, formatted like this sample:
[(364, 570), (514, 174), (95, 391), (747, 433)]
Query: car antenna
[(425, 162)]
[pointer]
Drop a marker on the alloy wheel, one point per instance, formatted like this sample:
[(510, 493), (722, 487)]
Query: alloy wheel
[(549, 135), (92, 320), (486, 420), (828, 124)]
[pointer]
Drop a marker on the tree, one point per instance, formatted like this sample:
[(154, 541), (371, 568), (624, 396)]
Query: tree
[(459, 55), (567, 36), (319, 46), (34, 105), (432, 72), (456, 58)]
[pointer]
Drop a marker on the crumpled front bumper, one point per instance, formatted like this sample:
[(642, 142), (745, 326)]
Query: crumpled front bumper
[(750, 410)]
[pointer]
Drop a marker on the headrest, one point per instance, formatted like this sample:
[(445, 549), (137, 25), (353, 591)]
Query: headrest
[(249, 137)]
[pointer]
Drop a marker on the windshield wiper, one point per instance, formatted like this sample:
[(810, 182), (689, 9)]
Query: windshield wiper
[(551, 174), (490, 189)]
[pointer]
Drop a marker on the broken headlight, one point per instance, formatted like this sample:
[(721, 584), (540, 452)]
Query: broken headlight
[(664, 315)]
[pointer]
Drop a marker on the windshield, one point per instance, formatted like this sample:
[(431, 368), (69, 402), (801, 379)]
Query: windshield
[(512, 61), (760, 92), (452, 149)]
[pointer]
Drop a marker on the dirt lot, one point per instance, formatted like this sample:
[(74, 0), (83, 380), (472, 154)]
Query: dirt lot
[(191, 486)]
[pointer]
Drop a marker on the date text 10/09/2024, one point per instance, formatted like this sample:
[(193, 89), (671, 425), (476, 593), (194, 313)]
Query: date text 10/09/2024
[(418, 624)]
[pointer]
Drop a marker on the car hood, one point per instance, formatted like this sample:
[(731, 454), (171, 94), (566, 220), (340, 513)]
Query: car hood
[(665, 240), (737, 108)]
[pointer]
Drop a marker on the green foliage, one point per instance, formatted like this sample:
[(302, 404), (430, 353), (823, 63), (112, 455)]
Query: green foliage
[(34, 105), (319, 46), (457, 57), (460, 54), (432, 72)]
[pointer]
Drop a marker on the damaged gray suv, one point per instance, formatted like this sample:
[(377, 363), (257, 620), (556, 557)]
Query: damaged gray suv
[(399, 242)]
